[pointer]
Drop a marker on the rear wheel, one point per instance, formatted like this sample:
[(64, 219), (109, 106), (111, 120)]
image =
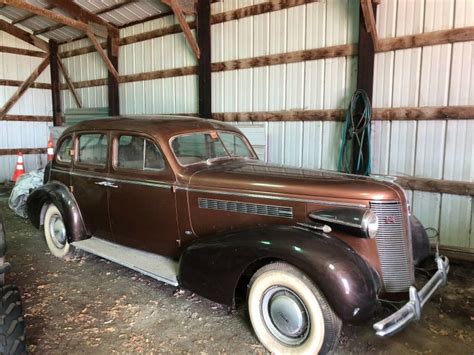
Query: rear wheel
[(289, 313), (55, 233)]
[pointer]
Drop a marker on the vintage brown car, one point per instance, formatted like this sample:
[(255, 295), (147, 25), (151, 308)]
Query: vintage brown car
[(186, 201)]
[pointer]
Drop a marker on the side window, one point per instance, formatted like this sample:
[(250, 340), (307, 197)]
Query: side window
[(62, 155), (138, 153), (93, 149)]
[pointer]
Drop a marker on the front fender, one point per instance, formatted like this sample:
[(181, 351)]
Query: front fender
[(57, 193), (213, 267)]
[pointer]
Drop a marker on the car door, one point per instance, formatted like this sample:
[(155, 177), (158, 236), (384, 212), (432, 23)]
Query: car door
[(142, 207), (89, 182)]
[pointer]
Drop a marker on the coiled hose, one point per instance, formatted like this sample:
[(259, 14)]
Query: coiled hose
[(356, 135)]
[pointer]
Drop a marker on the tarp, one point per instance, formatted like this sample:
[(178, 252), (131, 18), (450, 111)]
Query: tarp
[(26, 183)]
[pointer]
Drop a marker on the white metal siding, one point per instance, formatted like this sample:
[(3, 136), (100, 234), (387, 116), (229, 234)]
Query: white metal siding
[(33, 102)]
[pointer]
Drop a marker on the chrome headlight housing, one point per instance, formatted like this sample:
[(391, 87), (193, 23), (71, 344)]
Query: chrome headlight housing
[(361, 222)]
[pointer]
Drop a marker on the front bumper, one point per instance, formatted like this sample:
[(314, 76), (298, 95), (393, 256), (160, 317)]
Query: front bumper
[(412, 310)]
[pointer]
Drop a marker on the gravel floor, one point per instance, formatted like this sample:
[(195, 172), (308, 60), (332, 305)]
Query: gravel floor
[(89, 305)]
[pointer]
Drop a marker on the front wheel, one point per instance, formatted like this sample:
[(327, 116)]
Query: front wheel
[(289, 314), (55, 233)]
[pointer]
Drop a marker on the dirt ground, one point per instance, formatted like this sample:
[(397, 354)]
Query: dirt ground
[(90, 305)]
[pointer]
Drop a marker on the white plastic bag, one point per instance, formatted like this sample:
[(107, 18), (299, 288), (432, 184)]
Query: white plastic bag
[(26, 183)]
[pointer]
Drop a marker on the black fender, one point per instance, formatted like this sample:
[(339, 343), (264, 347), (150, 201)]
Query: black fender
[(213, 267), (57, 193), (3, 244)]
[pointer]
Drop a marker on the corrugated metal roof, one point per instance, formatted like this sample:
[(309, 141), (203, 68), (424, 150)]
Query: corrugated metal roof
[(122, 12)]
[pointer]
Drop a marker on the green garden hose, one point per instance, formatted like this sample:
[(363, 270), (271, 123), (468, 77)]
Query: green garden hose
[(356, 136)]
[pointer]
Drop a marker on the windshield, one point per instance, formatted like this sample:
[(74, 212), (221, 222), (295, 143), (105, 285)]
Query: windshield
[(205, 147)]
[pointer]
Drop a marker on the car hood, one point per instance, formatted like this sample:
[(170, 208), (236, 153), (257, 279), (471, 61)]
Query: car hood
[(263, 178)]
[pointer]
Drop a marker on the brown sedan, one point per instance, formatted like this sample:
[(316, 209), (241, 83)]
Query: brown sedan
[(187, 201)]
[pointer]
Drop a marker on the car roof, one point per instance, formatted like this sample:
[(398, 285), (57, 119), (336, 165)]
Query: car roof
[(161, 126)]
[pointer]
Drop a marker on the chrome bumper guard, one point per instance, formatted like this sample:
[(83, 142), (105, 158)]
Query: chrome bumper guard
[(412, 310)]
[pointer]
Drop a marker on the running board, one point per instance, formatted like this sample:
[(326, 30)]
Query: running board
[(153, 265)]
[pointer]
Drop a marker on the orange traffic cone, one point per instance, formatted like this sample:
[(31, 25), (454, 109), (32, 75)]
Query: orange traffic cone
[(50, 149), (20, 169)]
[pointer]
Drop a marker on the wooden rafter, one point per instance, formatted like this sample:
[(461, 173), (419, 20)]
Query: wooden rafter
[(29, 16), (40, 11), (23, 35), (69, 83), (26, 84), (81, 14), (102, 53), (369, 18), (179, 7), (21, 51), (100, 12)]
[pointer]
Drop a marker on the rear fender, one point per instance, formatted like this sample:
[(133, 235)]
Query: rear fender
[(58, 194), (213, 267)]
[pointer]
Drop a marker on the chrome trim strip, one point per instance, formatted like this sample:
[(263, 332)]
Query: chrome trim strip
[(278, 198), (125, 181)]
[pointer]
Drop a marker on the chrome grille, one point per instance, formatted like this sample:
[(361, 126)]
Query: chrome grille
[(393, 248), (249, 208)]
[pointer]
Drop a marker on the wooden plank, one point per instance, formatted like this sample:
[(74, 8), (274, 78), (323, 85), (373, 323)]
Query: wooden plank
[(26, 118), (368, 10), (456, 253), (248, 11), (427, 39), (55, 83), (424, 113), (285, 58), (69, 83), (23, 35), (18, 83), (55, 16), (112, 81), (204, 63), (294, 115), (103, 55), (435, 185), (159, 74), (26, 84), (15, 151), (21, 51), (178, 12)]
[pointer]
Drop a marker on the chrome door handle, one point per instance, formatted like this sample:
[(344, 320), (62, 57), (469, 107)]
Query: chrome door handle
[(110, 184), (101, 183)]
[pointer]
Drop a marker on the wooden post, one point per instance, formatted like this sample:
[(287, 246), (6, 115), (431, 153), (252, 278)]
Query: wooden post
[(204, 62), (365, 81), (112, 81), (55, 84)]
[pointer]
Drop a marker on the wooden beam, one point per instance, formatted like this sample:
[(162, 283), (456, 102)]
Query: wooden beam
[(112, 81), (21, 90), (275, 116), (178, 11), (15, 151), (40, 11), (18, 83), (21, 51), (81, 14), (55, 83), (424, 113), (368, 9), (30, 16), (464, 188), (204, 62), (462, 34), (23, 35), (69, 83), (217, 18), (456, 253), (285, 58), (26, 118), (103, 55)]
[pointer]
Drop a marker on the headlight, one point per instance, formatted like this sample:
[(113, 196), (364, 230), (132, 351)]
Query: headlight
[(360, 222)]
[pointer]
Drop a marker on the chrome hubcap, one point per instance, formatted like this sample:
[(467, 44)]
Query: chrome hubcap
[(285, 315), (57, 229)]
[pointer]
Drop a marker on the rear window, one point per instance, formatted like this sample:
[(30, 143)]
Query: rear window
[(63, 155), (138, 153), (93, 149)]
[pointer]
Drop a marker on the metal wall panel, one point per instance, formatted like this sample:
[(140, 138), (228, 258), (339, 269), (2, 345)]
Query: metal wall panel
[(33, 102)]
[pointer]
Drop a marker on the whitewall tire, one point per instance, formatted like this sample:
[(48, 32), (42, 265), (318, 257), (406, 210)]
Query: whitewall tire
[(55, 233), (288, 312)]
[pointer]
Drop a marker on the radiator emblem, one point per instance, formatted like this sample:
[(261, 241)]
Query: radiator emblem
[(390, 220)]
